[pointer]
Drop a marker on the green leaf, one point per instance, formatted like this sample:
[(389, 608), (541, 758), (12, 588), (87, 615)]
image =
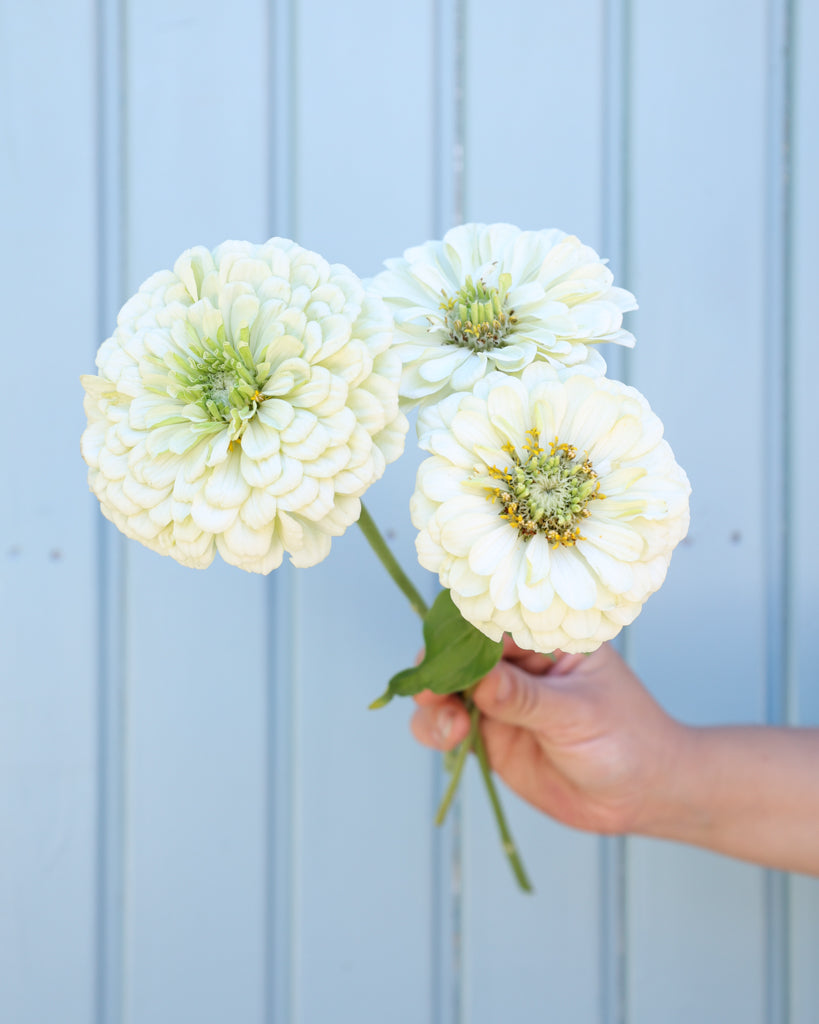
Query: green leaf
[(456, 656)]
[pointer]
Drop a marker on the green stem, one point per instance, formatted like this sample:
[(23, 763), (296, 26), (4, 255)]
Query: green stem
[(390, 563), (458, 766), (474, 741), (507, 841)]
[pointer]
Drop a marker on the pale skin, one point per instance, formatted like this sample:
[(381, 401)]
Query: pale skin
[(581, 739)]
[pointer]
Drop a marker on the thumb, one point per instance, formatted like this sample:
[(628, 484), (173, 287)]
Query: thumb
[(511, 694)]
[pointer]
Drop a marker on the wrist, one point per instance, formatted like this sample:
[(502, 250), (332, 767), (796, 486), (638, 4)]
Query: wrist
[(677, 804)]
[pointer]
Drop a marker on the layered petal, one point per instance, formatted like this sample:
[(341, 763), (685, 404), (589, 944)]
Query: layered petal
[(491, 297), (244, 403), (549, 506)]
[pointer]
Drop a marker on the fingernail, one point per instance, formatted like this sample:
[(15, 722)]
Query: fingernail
[(444, 723)]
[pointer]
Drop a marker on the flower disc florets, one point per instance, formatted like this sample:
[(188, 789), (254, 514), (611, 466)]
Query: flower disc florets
[(545, 492), (244, 403), (221, 378), (493, 297), (557, 544), (478, 317)]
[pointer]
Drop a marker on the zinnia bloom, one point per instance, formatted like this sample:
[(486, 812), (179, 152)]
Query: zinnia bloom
[(550, 505), (493, 297), (244, 403)]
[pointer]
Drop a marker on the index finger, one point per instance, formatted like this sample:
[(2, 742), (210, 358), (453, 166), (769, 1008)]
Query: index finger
[(532, 661), (426, 698)]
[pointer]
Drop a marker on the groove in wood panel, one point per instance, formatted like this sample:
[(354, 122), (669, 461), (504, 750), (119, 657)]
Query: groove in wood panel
[(282, 150), (448, 150), (111, 610), (281, 989), (448, 199), (282, 800), (615, 218), (778, 485)]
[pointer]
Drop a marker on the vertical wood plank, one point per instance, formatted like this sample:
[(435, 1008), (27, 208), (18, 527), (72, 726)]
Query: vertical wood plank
[(805, 410), (47, 518), (697, 259), (363, 817), (804, 487), (534, 123), (364, 131), (533, 156), (196, 937)]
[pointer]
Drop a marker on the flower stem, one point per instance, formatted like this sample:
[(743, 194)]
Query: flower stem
[(507, 841), (458, 766), (390, 563), (474, 741)]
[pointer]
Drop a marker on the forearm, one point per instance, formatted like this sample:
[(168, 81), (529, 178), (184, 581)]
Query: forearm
[(746, 791)]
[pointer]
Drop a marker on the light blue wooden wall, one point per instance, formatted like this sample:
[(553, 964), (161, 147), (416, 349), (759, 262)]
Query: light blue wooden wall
[(199, 820)]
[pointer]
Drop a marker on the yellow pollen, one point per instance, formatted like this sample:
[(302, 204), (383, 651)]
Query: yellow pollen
[(545, 492)]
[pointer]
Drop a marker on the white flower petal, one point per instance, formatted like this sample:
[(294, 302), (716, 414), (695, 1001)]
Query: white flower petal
[(493, 548), (260, 441), (538, 560), (616, 539), (546, 623), (616, 574), (460, 533), (247, 384), (314, 547), (476, 433), (503, 583), (210, 518), (244, 541), (437, 481), (464, 581), (580, 625), (447, 361), (469, 372), (571, 579), (558, 291), (226, 487), (504, 574), (259, 510), (537, 597)]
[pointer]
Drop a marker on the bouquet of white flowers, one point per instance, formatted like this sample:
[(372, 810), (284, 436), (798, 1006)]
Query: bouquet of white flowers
[(249, 397)]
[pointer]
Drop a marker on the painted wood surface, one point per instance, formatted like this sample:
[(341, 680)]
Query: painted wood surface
[(199, 819), (48, 626)]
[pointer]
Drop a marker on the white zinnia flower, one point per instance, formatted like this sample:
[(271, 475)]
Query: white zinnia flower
[(550, 505), (245, 401), (491, 297)]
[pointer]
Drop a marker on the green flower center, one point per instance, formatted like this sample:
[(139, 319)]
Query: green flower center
[(477, 316), (547, 492), (221, 378)]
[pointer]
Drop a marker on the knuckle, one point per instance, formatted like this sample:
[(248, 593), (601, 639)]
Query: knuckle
[(525, 697)]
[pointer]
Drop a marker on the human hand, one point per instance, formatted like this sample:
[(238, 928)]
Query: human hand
[(578, 737)]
